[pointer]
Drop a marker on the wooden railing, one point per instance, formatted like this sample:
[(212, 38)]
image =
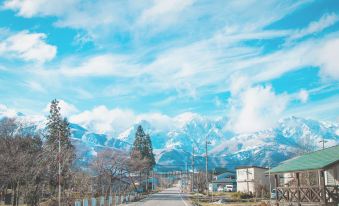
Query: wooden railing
[(332, 193), (308, 194)]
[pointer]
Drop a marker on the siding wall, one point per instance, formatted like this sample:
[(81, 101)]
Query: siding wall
[(332, 175), (247, 178)]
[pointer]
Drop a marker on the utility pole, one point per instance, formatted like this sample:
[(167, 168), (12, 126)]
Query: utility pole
[(212, 182), (207, 142), (59, 159), (323, 141), (193, 169), (187, 178), (152, 180), (248, 189), (269, 178)]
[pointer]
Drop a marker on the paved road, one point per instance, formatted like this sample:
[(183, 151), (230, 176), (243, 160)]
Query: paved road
[(168, 197)]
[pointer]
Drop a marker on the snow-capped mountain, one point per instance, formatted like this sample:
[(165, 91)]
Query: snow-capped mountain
[(190, 132), (173, 146), (290, 137)]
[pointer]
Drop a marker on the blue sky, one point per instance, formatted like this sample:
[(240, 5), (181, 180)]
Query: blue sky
[(251, 62)]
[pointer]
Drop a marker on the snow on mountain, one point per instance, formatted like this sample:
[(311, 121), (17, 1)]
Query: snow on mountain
[(174, 146), (190, 131), (292, 136)]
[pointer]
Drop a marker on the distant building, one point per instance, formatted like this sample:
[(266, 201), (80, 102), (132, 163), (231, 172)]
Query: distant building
[(250, 179), (310, 179), (224, 181)]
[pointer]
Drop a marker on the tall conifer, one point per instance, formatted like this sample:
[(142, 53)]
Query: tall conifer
[(142, 148), (58, 127)]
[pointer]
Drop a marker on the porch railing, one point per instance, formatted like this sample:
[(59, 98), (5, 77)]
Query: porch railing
[(308, 194)]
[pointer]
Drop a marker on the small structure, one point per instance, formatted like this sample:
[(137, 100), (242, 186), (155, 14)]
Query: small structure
[(252, 179), (223, 181), (310, 179)]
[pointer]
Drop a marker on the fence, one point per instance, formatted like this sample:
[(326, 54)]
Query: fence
[(108, 201)]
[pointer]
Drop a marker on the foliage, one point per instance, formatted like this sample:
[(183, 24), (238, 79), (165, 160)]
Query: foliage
[(240, 195), (142, 148), (111, 171), (21, 169), (58, 129)]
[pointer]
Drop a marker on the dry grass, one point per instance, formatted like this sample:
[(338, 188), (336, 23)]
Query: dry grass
[(232, 198), (234, 204)]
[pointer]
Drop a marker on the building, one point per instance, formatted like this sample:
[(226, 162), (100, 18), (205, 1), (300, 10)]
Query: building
[(252, 179), (310, 179), (224, 181)]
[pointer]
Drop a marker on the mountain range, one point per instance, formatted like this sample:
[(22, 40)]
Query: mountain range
[(173, 147)]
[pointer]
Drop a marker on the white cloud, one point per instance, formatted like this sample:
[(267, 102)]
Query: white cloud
[(35, 86), (255, 109), (28, 46), (164, 12), (327, 58), (116, 120), (66, 109), (322, 109), (203, 67), (315, 52), (39, 7), (157, 120), (103, 120), (7, 112), (101, 65), (303, 96), (238, 83), (185, 117), (324, 22), (103, 17)]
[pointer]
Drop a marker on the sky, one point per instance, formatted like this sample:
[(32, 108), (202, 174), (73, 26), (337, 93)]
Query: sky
[(112, 63)]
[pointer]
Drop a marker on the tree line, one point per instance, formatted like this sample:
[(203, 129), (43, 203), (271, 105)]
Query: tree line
[(29, 164)]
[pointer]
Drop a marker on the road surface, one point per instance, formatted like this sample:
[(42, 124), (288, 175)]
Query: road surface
[(168, 197)]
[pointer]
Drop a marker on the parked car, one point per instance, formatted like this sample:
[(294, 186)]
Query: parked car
[(273, 194), (230, 188)]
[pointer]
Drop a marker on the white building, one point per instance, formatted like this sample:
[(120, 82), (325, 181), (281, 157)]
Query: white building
[(225, 181), (250, 178)]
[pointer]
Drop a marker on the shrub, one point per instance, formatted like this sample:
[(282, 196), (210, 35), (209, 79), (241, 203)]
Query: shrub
[(240, 195)]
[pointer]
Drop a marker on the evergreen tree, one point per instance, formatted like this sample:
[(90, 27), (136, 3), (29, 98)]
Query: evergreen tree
[(142, 148), (58, 127), (138, 145), (149, 151)]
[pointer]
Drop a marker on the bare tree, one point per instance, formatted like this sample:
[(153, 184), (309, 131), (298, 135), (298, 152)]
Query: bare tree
[(138, 168), (111, 167), (260, 190), (20, 155), (200, 181)]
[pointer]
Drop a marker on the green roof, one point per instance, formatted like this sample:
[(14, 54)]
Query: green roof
[(311, 161), (221, 170), (225, 181)]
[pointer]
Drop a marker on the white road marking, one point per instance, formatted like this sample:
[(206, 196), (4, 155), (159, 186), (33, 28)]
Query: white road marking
[(183, 199)]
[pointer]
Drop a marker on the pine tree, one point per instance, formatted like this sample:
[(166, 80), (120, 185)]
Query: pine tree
[(149, 151), (138, 145), (142, 148), (58, 127)]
